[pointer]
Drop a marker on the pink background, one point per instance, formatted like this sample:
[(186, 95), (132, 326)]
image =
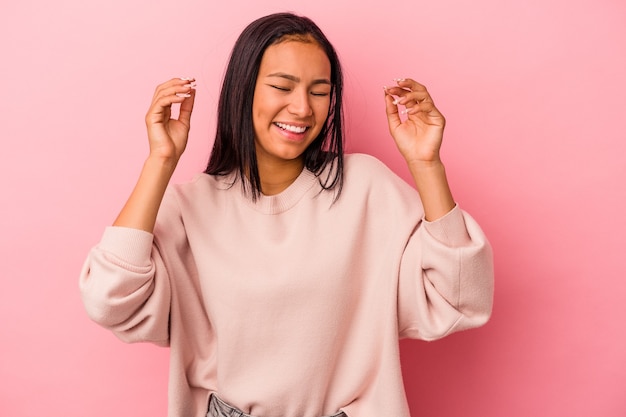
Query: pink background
[(535, 97)]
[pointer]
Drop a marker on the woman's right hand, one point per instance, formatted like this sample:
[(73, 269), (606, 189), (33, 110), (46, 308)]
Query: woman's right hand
[(167, 136)]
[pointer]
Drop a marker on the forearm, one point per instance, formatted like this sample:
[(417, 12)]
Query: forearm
[(432, 185), (141, 208)]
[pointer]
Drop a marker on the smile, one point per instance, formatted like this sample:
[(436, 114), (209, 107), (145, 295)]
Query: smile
[(290, 128)]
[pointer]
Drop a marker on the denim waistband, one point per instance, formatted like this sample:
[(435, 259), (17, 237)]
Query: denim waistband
[(218, 408)]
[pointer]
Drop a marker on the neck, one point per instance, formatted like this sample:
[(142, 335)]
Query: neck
[(277, 176)]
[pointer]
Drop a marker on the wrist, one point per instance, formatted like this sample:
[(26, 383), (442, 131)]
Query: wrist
[(433, 188), (426, 165), (161, 162)]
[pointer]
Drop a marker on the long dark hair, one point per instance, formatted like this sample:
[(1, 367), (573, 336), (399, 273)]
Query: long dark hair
[(234, 146)]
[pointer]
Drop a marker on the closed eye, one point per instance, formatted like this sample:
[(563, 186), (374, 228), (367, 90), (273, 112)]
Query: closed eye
[(278, 87)]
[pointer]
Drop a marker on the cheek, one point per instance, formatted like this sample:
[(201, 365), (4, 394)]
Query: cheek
[(260, 115), (266, 107), (322, 108)]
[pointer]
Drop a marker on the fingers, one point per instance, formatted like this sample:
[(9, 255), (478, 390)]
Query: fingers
[(176, 90), (393, 114), (186, 108), (180, 87), (409, 92), (412, 95)]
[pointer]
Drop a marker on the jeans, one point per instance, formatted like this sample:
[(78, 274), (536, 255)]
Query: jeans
[(218, 408)]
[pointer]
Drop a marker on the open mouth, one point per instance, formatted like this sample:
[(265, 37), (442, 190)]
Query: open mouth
[(291, 128)]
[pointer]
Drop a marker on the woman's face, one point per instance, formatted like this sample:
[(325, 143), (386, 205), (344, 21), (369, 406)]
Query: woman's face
[(291, 100)]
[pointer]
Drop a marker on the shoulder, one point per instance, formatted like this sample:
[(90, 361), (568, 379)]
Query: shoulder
[(188, 204), (369, 171), (361, 163), (200, 193), (200, 186), (366, 175), (376, 194)]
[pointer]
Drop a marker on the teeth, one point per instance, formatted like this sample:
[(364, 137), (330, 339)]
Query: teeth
[(290, 128)]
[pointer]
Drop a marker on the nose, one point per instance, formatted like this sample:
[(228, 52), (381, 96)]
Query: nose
[(300, 105)]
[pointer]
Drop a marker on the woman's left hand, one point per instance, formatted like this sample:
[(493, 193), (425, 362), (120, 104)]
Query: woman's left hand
[(418, 137)]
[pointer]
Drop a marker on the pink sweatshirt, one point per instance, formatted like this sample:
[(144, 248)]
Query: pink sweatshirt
[(291, 306)]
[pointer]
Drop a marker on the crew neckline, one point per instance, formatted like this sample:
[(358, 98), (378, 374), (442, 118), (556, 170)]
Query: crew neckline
[(277, 203)]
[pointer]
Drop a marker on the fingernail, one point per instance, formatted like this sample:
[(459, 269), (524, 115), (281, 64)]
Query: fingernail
[(187, 78), (184, 95), (405, 111), (191, 85), (399, 79), (396, 101)]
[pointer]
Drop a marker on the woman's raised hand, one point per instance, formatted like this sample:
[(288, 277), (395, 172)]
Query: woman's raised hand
[(419, 136), (167, 136), (168, 139)]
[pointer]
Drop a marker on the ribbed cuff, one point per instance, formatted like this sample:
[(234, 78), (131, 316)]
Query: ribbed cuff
[(449, 229), (132, 245)]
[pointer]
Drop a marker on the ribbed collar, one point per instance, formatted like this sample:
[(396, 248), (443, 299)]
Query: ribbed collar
[(274, 204)]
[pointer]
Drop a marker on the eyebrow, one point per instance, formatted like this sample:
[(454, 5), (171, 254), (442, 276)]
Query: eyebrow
[(297, 80)]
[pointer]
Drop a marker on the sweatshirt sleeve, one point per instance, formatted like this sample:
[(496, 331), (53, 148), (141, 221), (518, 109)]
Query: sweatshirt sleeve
[(120, 288), (446, 278), (125, 281)]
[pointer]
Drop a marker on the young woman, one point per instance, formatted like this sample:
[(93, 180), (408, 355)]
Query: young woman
[(283, 276)]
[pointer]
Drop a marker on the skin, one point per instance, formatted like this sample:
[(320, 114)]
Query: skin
[(167, 138), (292, 88), (419, 139)]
